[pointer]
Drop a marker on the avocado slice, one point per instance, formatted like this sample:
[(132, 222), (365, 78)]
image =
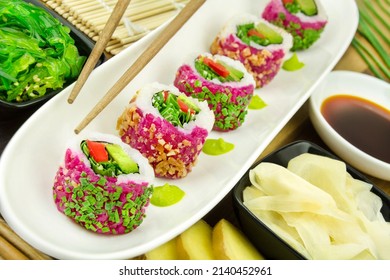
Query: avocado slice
[(189, 103), (235, 74), (273, 36), (124, 161), (308, 7)]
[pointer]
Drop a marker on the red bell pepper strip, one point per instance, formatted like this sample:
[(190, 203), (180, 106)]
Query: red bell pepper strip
[(288, 2), (184, 107), (166, 94), (97, 151), (216, 67), (254, 32)]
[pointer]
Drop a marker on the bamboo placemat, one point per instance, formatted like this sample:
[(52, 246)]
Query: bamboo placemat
[(141, 17)]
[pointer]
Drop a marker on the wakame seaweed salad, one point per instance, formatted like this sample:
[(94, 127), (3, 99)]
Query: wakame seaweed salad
[(37, 53)]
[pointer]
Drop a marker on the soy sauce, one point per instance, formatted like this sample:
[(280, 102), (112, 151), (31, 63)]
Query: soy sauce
[(364, 124)]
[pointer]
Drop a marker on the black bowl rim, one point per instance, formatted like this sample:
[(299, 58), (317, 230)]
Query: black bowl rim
[(76, 34), (311, 148)]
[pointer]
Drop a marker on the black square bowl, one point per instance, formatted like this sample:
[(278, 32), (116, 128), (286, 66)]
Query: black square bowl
[(265, 240), (84, 45)]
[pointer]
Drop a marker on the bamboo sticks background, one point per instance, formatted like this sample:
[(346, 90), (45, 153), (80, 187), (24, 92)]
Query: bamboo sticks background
[(12, 247), (141, 16)]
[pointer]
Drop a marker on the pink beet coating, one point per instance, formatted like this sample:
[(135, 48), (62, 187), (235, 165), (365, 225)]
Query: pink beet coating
[(171, 152)]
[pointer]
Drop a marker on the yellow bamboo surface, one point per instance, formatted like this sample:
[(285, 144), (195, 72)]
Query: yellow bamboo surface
[(140, 17)]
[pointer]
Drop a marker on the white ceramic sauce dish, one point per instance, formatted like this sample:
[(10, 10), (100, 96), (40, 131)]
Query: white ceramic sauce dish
[(358, 85)]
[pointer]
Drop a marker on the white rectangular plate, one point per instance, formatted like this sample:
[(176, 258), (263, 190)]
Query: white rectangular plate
[(31, 159)]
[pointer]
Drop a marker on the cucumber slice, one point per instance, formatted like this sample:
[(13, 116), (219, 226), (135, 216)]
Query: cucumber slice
[(189, 103), (235, 74), (125, 163), (308, 7), (273, 36)]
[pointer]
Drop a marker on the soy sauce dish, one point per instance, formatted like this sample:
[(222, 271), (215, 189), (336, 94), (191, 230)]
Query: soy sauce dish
[(351, 113)]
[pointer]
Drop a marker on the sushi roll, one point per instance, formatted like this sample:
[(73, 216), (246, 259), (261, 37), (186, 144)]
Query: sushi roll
[(167, 127), (258, 44), (103, 184), (303, 19), (224, 83)]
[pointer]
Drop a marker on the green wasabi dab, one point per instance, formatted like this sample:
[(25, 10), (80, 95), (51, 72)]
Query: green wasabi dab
[(293, 63), (215, 147), (256, 103), (166, 195)]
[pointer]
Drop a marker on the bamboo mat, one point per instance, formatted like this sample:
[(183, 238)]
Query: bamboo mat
[(141, 17)]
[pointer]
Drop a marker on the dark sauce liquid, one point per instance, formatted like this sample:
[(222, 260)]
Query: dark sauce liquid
[(362, 123)]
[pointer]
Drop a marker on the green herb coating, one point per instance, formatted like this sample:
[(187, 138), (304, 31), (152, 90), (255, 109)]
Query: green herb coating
[(228, 114), (303, 38)]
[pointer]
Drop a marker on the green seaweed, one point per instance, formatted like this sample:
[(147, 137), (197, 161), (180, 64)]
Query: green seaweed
[(36, 52)]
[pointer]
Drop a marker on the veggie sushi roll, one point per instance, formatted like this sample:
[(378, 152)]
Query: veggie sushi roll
[(103, 185), (167, 127), (303, 19), (224, 83), (258, 44)]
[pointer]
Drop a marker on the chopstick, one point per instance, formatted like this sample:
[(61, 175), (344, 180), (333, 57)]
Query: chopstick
[(14, 247), (142, 60), (98, 49), (9, 252)]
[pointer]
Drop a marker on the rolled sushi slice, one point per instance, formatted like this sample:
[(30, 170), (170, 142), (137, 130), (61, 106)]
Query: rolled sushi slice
[(103, 184), (303, 19), (167, 127), (224, 83), (256, 43)]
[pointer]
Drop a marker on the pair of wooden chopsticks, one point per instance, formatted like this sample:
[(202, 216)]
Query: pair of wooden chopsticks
[(98, 49), (12, 247), (137, 66)]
